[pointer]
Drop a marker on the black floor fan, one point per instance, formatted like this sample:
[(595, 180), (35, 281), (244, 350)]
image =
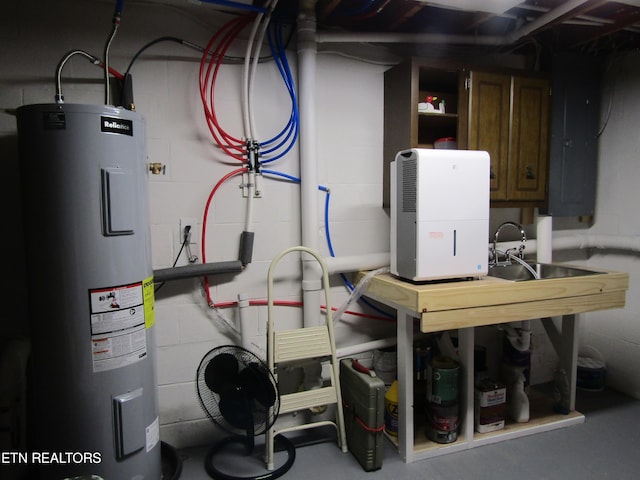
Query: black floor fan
[(239, 393)]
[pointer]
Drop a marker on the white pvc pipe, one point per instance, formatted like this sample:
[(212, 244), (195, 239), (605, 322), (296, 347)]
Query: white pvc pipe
[(260, 35), (544, 238), (246, 76), (354, 263), (310, 223), (248, 223), (433, 38), (562, 241), (366, 347), (248, 328), (571, 241), (568, 241)]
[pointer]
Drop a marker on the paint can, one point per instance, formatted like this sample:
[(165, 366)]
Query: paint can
[(490, 406), (442, 381), (442, 423)]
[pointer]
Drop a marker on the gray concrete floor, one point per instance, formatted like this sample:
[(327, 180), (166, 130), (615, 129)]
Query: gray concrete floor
[(606, 446)]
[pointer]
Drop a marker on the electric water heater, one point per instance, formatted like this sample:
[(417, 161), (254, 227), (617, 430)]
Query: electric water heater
[(92, 406)]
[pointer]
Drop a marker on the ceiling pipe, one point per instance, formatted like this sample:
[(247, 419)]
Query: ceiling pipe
[(435, 38), (541, 22)]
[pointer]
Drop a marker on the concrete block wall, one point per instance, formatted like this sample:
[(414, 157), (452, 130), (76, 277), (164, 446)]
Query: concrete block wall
[(616, 333)]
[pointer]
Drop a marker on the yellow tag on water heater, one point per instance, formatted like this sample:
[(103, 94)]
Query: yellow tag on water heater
[(149, 302)]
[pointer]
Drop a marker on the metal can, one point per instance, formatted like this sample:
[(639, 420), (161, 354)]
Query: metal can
[(421, 359), (442, 423), (442, 381)]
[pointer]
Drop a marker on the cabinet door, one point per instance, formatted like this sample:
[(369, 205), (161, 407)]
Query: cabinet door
[(488, 124), (529, 150)]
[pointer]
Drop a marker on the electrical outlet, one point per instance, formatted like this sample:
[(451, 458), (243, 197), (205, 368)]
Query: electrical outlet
[(184, 223), (190, 253)]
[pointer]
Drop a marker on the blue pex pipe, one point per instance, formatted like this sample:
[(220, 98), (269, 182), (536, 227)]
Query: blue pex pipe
[(242, 6)]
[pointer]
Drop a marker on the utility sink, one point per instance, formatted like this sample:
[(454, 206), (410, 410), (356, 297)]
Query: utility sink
[(517, 272)]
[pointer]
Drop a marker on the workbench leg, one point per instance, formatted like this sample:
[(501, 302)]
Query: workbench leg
[(405, 385), (569, 354), (466, 348)]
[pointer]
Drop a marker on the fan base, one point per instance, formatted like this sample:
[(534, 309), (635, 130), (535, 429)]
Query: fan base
[(280, 440)]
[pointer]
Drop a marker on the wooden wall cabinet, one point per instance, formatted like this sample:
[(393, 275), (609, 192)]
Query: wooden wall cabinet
[(503, 113), (508, 115)]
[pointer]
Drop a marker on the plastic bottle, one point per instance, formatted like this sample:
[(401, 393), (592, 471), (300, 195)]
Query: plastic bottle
[(391, 409), (517, 399), (519, 402)]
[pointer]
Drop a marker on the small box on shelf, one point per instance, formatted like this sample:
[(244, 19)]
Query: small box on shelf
[(490, 406)]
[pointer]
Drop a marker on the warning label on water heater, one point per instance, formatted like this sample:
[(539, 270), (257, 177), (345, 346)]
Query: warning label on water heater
[(118, 334)]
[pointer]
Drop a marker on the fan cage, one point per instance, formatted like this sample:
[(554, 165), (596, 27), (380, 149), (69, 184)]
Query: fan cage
[(263, 416)]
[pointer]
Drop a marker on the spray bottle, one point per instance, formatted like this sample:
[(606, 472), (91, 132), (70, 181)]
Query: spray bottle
[(517, 361)]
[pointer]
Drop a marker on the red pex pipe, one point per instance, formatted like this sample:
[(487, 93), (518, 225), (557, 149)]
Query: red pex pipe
[(232, 146)]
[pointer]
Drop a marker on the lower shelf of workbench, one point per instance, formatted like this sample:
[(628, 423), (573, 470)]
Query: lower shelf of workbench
[(542, 418)]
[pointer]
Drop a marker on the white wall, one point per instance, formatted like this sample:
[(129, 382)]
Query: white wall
[(349, 99), (616, 333)]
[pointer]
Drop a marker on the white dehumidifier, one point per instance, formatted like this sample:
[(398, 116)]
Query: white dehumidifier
[(439, 214)]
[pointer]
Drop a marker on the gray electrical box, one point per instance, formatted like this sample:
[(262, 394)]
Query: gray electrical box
[(574, 135)]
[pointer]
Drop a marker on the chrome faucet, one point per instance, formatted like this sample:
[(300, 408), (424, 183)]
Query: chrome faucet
[(494, 251)]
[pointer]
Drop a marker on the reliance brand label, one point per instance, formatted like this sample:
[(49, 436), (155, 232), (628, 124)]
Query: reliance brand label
[(116, 125)]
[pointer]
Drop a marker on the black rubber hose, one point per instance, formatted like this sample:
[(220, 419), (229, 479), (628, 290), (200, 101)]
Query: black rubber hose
[(280, 440)]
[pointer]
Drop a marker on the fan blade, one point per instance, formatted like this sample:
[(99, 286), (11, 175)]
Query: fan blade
[(254, 380), (236, 410), (221, 372)]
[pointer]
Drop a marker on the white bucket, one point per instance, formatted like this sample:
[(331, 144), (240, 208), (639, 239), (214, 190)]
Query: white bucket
[(385, 364)]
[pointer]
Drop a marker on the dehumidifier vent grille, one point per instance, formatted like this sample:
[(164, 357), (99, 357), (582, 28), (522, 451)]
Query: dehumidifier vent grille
[(409, 179)]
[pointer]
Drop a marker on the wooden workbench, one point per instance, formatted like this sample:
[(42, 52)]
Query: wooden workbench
[(465, 304)]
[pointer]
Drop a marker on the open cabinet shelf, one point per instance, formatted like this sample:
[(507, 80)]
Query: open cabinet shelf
[(542, 416), (504, 112)]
